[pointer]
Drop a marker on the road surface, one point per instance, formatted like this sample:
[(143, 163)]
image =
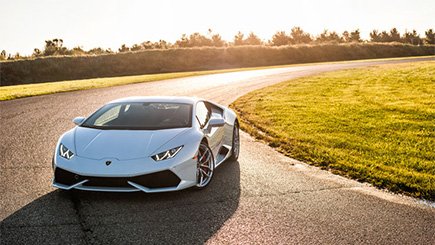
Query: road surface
[(264, 197)]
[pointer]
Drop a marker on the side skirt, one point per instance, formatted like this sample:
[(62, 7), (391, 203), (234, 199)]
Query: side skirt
[(224, 154)]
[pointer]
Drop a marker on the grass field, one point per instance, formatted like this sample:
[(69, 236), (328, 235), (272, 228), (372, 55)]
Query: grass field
[(374, 124), (27, 90)]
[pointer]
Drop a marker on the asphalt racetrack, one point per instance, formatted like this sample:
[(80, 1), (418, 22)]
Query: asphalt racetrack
[(263, 198)]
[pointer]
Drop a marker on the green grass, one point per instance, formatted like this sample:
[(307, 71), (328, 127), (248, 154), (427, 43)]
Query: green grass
[(27, 90), (374, 124)]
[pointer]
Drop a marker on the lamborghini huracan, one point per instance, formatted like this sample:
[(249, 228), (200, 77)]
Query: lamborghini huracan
[(150, 144)]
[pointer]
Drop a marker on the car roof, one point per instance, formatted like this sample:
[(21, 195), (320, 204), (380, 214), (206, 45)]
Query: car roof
[(170, 99)]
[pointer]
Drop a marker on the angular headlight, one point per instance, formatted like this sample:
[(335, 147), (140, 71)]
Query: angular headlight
[(167, 154), (65, 152)]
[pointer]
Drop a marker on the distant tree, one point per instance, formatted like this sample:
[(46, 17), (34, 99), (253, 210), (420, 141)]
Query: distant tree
[(214, 40), (50, 47), (430, 37), (161, 44), (252, 39), (239, 39), (298, 36), (394, 35), (345, 36), (183, 42), (355, 36), (375, 36), (123, 48), (385, 37), (97, 51), (147, 45), (135, 47), (78, 51), (323, 37), (164, 44), (217, 40), (411, 37), (331, 37), (198, 40), (194, 40), (18, 56), (280, 38), (335, 37), (37, 52), (3, 55), (54, 47)]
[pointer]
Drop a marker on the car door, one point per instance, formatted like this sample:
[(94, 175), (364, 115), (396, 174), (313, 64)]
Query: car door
[(214, 134)]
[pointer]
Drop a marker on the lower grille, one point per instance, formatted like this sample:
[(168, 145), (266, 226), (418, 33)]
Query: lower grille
[(66, 178), (155, 180), (106, 182)]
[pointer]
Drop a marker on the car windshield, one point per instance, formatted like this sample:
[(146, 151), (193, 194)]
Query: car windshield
[(141, 116)]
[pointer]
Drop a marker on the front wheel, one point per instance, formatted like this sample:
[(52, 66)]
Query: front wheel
[(235, 149), (204, 166)]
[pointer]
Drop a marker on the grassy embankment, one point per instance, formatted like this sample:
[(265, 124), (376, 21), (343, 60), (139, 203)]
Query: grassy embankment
[(52, 69), (373, 124), (27, 90)]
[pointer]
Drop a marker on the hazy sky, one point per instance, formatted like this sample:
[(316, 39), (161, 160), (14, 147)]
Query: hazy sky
[(26, 24)]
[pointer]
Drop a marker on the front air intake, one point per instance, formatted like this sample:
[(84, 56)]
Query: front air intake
[(64, 177), (163, 179)]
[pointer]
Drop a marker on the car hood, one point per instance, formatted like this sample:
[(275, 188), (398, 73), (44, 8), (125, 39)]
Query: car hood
[(121, 144)]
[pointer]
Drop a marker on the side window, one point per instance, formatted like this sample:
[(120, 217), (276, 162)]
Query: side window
[(202, 114)]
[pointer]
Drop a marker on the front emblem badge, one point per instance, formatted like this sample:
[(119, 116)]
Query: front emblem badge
[(108, 163)]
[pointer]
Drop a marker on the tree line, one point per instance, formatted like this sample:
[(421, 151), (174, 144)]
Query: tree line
[(296, 36)]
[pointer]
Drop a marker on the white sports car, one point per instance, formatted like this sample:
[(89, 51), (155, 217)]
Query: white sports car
[(150, 144)]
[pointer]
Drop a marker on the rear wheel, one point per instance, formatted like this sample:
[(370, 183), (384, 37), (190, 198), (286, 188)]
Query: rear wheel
[(205, 166), (235, 149)]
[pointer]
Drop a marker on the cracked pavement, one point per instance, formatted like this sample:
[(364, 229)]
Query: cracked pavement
[(264, 197)]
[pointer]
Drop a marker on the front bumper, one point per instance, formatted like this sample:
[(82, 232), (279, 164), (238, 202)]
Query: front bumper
[(154, 182), (143, 174)]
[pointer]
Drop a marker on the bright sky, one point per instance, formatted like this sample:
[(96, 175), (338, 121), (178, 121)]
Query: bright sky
[(26, 24)]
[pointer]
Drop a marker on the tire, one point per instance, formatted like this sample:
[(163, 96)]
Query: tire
[(205, 166), (235, 148)]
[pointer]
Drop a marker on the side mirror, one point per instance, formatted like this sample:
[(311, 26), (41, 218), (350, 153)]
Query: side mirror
[(216, 122), (78, 120)]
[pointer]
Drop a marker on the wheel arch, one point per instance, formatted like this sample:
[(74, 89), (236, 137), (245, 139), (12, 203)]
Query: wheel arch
[(205, 140), (237, 121)]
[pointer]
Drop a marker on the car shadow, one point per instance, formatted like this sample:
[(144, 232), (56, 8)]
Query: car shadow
[(81, 217)]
